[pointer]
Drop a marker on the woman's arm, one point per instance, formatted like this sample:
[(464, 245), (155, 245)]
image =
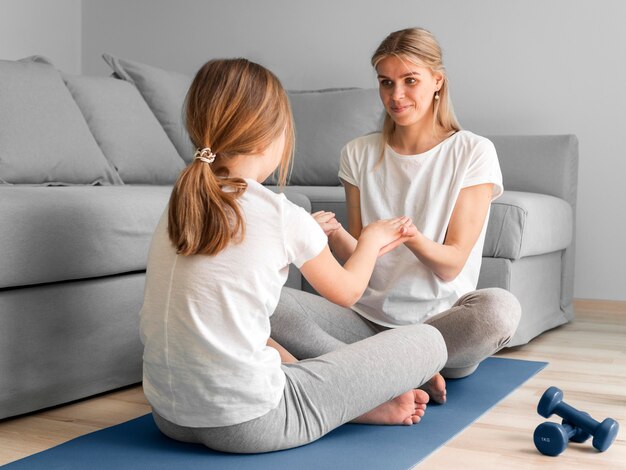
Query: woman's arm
[(345, 284), (468, 217), (343, 242), (353, 204)]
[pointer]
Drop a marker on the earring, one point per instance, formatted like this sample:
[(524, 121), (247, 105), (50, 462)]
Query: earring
[(437, 95)]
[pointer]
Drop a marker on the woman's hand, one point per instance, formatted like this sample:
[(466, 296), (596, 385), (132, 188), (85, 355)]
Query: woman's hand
[(327, 221)]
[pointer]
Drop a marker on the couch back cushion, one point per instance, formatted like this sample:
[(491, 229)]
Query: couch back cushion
[(325, 121), (126, 130), (164, 92), (44, 139)]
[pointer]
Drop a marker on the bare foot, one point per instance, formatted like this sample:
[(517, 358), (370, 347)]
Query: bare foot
[(406, 409), (436, 388)]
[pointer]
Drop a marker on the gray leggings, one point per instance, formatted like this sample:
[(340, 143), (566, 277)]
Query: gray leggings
[(349, 366), (479, 324)]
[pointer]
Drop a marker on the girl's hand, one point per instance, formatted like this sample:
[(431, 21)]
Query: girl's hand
[(327, 221), (384, 232)]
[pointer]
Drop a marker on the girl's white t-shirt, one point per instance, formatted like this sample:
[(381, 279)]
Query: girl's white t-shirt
[(205, 319), (425, 187)]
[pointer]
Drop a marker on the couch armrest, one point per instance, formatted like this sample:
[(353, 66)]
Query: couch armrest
[(527, 224), (545, 164)]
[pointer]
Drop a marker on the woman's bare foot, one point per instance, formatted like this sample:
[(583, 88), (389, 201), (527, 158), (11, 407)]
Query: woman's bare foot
[(406, 409), (436, 388)]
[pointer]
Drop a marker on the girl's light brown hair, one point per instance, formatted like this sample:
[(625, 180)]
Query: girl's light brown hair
[(419, 46), (234, 107)]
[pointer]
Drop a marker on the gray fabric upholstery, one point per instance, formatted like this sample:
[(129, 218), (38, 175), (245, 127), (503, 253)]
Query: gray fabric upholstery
[(527, 224), (128, 133), (56, 234), (536, 282), (44, 139), (545, 164), (165, 92), (62, 342)]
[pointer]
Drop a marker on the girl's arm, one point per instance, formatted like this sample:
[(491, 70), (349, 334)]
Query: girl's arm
[(345, 284), (468, 217), (343, 242)]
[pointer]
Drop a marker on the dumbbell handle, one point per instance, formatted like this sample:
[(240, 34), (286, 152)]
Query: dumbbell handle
[(571, 414)]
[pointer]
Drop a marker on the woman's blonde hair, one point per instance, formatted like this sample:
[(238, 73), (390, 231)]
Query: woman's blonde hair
[(419, 46), (234, 107)]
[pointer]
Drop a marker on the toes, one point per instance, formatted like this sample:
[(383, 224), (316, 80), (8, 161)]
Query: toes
[(420, 396)]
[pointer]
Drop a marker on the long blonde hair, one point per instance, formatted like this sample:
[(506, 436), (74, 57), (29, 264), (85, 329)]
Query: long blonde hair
[(234, 107), (419, 46)]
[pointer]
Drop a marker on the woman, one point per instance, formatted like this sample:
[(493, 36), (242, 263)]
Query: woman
[(424, 166)]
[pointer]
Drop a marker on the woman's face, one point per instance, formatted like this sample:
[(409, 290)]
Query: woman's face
[(407, 90)]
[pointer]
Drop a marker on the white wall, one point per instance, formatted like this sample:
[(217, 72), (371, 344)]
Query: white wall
[(520, 67), (42, 27)]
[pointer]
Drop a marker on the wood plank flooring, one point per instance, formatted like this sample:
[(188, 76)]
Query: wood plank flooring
[(587, 361)]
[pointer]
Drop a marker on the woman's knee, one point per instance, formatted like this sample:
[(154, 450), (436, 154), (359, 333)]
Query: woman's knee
[(500, 310)]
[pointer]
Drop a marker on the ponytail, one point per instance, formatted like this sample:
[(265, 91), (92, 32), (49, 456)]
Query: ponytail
[(203, 217)]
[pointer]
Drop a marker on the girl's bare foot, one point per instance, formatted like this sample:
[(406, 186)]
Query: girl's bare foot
[(436, 388), (406, 409)]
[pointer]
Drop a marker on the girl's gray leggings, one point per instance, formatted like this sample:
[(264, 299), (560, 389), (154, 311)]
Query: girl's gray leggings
[(348, 365)]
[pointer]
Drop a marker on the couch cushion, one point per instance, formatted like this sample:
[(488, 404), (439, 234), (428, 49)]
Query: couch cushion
[(165, 92), (44, 139), (325, 121), (527, 224), (127, 132), (60, 233)]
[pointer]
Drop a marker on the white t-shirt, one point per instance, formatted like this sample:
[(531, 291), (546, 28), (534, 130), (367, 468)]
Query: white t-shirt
[(425, 187), (205, 319)]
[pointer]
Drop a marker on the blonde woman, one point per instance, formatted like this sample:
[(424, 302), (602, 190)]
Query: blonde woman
[(425, 166), (217, 262)]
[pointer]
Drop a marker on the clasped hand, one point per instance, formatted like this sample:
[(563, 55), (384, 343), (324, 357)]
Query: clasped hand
[(390, 233)]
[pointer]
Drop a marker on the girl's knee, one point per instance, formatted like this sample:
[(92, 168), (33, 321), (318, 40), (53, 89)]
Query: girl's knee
[(430, 340)]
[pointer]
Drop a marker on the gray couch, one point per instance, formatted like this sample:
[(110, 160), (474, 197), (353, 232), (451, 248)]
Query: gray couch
[(86, 167)]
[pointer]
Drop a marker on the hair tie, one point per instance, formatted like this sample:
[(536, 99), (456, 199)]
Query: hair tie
[(205, 155)]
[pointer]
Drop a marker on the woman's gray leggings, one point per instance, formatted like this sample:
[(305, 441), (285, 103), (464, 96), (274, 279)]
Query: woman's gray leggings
[(348, 365)]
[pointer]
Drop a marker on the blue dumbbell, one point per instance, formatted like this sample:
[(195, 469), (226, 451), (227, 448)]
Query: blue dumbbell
[(603, 433), (552, 438)]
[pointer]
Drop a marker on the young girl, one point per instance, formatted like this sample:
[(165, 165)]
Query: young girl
[(444, 178), (217, 262)]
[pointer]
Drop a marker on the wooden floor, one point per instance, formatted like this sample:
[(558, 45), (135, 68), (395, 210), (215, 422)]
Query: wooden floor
[(587, 361)]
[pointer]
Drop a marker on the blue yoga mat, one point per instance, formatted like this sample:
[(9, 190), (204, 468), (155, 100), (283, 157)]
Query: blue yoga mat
[(138, 444)]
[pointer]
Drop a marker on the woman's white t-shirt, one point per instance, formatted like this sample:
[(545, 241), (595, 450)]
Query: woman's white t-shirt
[(205, 319), (425, 187)]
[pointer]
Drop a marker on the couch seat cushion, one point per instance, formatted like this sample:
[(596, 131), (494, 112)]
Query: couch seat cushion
[(527, 224), (54, 234)]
